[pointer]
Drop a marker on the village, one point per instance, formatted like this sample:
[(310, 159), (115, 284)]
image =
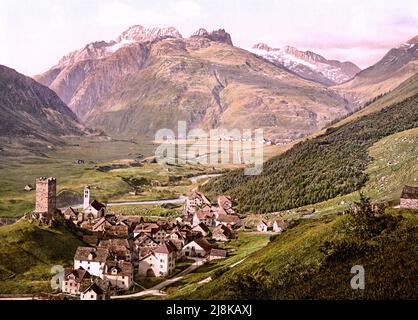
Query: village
[(118, 249)]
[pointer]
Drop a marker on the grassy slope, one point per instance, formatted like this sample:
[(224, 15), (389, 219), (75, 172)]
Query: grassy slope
[(298, 269), (324, 167), (393, 165), (246, 244), (295, 260), (27, 254)]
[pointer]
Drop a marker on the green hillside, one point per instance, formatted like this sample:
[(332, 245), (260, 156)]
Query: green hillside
[(313, 261), (323, 168), (27, 254)]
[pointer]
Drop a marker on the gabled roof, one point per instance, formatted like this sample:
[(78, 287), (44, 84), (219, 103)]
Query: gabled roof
[(195, 194), (409, 192), (203, 243), (97, 205), (80, 274), (202, 226), (231, 218), (123, 268), (222, 229), (263, 222), (99, 286), (166, 247), (71, 212), (218, 253), (281, 223), (99, 223), (114, 243), (98, 254), (204, 215)]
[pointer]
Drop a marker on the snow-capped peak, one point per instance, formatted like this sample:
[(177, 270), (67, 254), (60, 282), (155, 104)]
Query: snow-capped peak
[(307, 64), (141, 34)]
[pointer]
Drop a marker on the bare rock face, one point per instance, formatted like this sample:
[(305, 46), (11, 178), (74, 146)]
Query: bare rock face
[(29, 109), (218, 35), (308, 64)]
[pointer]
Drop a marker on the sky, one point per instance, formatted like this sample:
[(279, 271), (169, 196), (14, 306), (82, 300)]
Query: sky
[(34, 35)]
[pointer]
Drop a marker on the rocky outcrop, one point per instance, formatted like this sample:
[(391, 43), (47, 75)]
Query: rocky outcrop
[(218, 35)]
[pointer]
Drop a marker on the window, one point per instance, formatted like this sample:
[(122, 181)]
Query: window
[(91, 296), (123, 282), (66, 283)]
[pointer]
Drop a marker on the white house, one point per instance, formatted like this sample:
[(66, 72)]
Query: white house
[(95, 210), (204, 216), (262, 226), (160, 262), (197, 248), (194, 201), (119, 273), (94, 289), (91, 259)]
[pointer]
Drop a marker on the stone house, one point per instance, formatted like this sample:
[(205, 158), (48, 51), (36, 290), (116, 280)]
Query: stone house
[(71, 214), (225, 205), (205, 217)]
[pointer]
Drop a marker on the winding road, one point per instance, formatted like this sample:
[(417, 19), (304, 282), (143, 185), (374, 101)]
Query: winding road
[(179, 200)]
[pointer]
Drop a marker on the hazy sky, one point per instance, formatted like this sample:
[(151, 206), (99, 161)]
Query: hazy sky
[(34, 35)]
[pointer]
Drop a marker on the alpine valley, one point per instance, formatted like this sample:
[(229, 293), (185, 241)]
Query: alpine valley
[(84, 200)]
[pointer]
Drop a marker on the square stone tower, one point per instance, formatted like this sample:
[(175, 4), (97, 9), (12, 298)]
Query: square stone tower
[(46, 195)]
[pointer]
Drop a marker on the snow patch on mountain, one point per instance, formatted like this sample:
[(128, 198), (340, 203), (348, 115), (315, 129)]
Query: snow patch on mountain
[(307, 64)]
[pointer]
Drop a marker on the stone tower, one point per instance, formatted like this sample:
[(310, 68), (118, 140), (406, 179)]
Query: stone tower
[(86, 202), (46, 195)]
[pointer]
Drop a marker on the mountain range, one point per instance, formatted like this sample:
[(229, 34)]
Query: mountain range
[(308, 64), (398, 65), (149, 79)]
